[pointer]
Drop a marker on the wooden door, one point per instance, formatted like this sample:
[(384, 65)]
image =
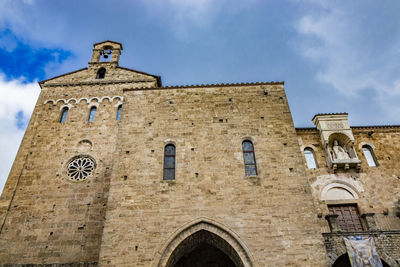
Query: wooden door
[(349, 217)]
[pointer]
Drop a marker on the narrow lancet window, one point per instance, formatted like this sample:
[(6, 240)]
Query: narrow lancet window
[(101, 73), (119, 111), (369, 155), (92, 114), (169, 162), (64, 114), (249, 158), (310, 158)]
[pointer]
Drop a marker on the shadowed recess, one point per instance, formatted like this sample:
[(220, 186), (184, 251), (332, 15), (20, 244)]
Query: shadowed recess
[(204, 248)]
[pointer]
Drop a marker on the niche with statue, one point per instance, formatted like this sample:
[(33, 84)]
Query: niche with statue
[(341, 153), (338, 141)]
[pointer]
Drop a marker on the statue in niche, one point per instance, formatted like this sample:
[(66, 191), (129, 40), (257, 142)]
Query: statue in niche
[(339, 152)]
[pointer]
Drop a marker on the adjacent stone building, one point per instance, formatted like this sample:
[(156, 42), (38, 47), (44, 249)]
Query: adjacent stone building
[(117, 170)]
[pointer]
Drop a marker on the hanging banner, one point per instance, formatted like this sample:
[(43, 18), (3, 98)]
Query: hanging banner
[(362, 251)]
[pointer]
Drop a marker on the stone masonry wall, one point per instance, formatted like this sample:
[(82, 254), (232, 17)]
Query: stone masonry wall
[(46, 218), (378, 187), (272, 214), (386, 243)]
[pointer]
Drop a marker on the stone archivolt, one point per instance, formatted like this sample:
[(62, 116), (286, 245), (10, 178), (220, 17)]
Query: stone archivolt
[(225, 240)]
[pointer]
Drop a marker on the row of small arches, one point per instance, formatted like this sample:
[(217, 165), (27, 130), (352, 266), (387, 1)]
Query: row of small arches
[(88, 100), (248, 155), (92, 114), (367, 150)]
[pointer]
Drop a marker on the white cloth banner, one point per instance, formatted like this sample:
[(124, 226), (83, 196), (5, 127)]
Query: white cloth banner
[(362, 251)]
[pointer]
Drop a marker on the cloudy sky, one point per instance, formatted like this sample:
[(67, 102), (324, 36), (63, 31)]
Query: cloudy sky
[(334, 56)]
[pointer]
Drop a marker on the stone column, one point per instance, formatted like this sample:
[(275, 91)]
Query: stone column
[(370, 219), (332, 220)]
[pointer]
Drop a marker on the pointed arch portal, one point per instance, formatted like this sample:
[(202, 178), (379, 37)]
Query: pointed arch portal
[(205, 244), (204, 248)]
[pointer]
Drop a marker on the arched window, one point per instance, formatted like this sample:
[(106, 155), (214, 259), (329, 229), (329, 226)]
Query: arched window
[(249, 159), (64, 114), (169, 162), (119, 110), (92, 114), (310, 158), (101, 73), (369, 155)]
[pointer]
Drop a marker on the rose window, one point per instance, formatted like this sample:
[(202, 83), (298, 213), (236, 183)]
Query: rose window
[(80, 168)]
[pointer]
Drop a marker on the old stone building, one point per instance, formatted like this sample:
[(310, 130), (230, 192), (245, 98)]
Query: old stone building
[(117, 170)]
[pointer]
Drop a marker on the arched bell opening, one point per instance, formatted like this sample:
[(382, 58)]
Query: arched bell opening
[(204, 248), (343, 261)]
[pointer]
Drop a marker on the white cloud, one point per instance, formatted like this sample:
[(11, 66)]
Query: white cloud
[(352, 58), (187, 10), (186, 16), (16, 97)]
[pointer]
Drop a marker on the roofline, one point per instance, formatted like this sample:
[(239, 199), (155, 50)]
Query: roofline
[(375, 126), (353, 127), (205, 85), (323, 114), (108, 41), (306, 128), (41, 82), (158, 78)]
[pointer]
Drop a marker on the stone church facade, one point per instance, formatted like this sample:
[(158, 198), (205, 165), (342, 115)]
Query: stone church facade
[(117, 170)]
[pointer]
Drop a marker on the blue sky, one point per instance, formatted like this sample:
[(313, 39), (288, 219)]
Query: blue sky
[(334, 56)]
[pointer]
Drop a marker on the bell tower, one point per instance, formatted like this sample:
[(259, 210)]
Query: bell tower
[(106, 52)]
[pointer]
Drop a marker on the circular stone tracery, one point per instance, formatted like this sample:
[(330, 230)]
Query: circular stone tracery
[(79, 168)]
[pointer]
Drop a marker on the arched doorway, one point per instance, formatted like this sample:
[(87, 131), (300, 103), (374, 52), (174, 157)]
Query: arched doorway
[(204, 243), (204, 248), (343, 261)]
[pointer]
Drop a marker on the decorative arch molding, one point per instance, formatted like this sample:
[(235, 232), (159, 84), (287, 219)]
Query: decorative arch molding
[(338, 184), (118, 103), (360, 145), (169, 141), (202, 224), (93, 104), (308, 146), (249, 138), (94, 98), (49, 101), (84, 99), (88, 100), (117, 97), (343, 138), (61, 100), (72, 99), (69, 106), (323, 181)]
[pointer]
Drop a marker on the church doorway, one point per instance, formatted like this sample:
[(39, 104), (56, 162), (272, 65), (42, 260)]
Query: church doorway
[(202, 249)]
